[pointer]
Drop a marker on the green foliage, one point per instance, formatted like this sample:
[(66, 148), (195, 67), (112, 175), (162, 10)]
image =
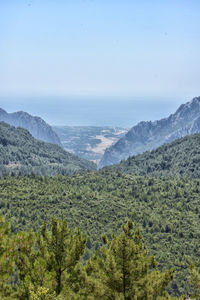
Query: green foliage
[(178, 158), (21, 154), (124, 269), (64, 251), (45, 262), (195, 280), (41, 293), (166, 210), (6, 263), (48, 266)]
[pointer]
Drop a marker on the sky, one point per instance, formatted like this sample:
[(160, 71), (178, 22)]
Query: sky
[(120, 50)]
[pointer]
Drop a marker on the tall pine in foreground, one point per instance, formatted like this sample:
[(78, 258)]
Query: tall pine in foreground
[(46, 261), (195, 281), (124, 270), (6, 262), (65, 249)]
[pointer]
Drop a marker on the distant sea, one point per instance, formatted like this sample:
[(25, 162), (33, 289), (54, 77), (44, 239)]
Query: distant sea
[(94, 111)]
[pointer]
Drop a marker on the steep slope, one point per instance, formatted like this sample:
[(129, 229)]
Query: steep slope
[(178, 158), (35, 125), (20, 153), (150, 135)]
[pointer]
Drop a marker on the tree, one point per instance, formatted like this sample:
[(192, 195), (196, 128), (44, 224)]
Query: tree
[(31, 265), (6, 260), (195, 280), (46, 261), (64, 252), (124, 270)]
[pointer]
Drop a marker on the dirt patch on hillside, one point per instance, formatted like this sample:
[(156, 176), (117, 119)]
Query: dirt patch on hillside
[(101, 147)]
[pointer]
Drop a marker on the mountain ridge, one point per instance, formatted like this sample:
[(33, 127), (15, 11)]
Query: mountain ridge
[(38, 128), (179, 158), (22, 154), (148, 135)]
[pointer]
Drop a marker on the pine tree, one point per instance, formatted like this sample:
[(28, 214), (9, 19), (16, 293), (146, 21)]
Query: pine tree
[(195, 280), (31, 266), (124, 270), (6, 260), (65, 249), (46, 261)]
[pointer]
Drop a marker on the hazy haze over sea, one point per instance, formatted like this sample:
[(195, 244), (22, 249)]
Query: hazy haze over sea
[(94, 111), (99, 62)]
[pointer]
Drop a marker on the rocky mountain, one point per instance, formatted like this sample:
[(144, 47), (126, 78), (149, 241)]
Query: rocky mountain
[(150, 135), (35, 125), (180, 158), (22, 154)]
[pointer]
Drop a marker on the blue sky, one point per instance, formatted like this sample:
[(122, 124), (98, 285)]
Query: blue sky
[(143, 48)]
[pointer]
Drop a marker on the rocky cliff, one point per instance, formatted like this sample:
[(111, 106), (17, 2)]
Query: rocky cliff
[(150, 135)]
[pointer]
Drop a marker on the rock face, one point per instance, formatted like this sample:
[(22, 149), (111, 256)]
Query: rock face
[(150, 135), (35, 125)]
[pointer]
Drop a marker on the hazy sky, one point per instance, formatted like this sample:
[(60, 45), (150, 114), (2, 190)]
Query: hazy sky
[(100, 47)]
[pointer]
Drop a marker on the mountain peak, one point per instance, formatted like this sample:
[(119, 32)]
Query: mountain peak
[(35, 125), (188, 110), (150, 135), (195, 99), (195, 103)]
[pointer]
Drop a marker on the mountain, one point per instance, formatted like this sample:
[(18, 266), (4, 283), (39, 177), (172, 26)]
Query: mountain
[(150, 135), (178, 158), (88, 142), (21, 154), (35, 125)]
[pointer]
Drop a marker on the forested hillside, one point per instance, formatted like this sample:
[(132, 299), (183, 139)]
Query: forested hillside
[(165, 209), (48, 265), (22, 154), (178, 158)]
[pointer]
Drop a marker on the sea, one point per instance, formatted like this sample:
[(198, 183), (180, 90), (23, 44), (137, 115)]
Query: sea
[(115, 111)]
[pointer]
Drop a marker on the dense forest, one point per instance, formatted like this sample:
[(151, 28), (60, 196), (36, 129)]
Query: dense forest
[(178, 158), (165, 209), (158, 191), (22, 154), (48, 265)]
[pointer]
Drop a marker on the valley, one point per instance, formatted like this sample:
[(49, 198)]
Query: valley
[(88, 142), (157, 190)]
